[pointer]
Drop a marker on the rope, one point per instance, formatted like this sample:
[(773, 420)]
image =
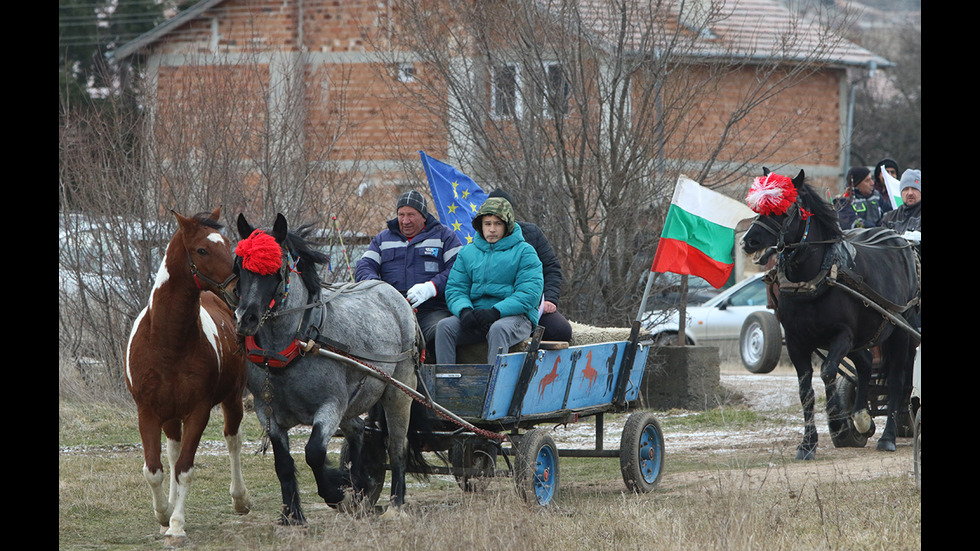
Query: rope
[(378, 373)]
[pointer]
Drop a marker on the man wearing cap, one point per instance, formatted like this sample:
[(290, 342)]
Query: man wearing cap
[(906, 220), (862, 206), (414, 255)]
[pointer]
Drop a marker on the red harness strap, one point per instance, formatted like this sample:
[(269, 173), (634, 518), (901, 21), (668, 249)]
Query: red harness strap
[(258, 355)]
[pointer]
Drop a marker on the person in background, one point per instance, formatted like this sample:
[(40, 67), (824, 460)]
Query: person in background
[(556, 327), (906, 220), (862, 206), (414, 254), (892, 168), (494, 288)]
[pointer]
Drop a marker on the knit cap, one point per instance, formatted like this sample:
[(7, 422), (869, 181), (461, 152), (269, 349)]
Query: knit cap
[(412, 199), (911, 178)]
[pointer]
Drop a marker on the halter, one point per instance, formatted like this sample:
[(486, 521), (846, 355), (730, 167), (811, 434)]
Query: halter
[(226, 295)]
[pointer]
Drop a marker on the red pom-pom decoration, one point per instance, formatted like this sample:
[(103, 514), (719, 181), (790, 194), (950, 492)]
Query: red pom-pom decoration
[(260, 253), (771, 195)]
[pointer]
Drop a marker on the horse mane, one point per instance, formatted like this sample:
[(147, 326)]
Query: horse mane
[(821, 210), (308, 258), (204, 219)]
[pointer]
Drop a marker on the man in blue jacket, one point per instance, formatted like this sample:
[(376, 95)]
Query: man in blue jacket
[(494, 288), (414, 255)]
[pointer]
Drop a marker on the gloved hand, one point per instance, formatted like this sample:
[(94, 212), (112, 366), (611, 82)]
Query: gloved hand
[(485, 318), (913, 236), (466, 320), (420, 292)]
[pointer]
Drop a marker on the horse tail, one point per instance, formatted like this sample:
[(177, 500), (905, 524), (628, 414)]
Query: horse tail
[(421, 438)]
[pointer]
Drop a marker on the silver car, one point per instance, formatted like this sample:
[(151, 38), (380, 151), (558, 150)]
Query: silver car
[(737, 316)]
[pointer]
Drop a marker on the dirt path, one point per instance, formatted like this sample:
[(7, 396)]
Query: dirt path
[(776, 395)]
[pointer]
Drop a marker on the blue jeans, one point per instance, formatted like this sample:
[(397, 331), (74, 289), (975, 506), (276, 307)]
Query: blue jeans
[(504, 333)]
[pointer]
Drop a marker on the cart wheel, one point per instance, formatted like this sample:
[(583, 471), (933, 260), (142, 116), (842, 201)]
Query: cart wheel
[(473, 453), (536, 467), (848, 436), (917, 448), (378, 476), (760, 342), (641, 452)]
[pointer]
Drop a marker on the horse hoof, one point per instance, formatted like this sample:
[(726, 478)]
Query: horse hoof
[(175, 542), (886, 445), (862, 421), (394, 513), (242, 506), (803, 454)]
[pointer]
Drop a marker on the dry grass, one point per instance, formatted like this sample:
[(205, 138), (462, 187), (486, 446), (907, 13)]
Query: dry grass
[(702, 503)]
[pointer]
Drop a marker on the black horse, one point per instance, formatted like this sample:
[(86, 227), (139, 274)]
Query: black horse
[(821, 274)]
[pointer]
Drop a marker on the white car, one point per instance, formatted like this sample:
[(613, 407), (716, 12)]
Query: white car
[(736, 316)]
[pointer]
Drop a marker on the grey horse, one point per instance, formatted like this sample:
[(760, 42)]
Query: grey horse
[(283, 304)]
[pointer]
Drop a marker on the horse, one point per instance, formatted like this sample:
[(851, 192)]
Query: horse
[(827, 279), (182, 359), (283, 305)]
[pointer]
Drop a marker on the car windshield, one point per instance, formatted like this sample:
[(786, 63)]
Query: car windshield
[(753, 294)]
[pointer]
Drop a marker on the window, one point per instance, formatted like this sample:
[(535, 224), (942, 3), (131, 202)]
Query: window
[(406, 72), (556, 90), (504, 87)]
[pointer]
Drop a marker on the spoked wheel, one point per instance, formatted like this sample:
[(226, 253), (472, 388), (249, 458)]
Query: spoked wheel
[(474, 454), (848, 436), (641, 452), (536, 468)]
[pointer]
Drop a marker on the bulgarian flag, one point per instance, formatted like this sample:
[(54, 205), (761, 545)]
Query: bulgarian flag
[(894, 188), (699, 233)]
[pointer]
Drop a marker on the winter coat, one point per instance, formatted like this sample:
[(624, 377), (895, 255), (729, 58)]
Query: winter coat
[(549, 261), (403, 262), (505, 275), (856, 211)]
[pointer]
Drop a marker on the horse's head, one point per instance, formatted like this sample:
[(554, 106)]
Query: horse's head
[(262, 266), (208, 253), (782, 218)]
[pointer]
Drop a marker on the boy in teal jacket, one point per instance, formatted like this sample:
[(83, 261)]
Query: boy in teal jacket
[(494, 289)]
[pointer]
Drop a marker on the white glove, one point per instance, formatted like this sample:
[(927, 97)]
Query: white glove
[(420, 292), (913, 236)]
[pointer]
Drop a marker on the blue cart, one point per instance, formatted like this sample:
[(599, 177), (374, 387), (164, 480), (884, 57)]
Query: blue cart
[(549, 383)]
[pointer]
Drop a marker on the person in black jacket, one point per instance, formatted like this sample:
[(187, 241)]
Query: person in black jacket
[(556, 327)]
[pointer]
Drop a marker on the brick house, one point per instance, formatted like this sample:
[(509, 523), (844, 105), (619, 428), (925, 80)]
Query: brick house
[(313, 64)]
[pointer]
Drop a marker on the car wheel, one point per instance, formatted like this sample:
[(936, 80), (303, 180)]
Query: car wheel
[(760, 342)]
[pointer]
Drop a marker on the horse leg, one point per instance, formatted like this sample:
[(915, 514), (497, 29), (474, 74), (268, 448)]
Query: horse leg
[(173, 430), (398, 410), (183, 470), (839, 347), (859, 413), (330, 483), (898, 354), (153, 471), (233, 412), (804, 375)]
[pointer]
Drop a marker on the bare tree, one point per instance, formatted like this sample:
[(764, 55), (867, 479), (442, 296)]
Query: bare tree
[(586, 112), (225, 133)]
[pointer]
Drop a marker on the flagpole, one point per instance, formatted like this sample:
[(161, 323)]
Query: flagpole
[(646, 293)]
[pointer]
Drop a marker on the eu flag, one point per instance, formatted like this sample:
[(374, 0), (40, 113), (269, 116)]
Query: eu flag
[(456, 195)]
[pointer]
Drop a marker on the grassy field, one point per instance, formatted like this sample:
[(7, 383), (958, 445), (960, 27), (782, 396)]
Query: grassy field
[(751, 499)]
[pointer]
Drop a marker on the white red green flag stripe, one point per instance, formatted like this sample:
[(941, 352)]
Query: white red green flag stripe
[(699, 233), (894, 188)]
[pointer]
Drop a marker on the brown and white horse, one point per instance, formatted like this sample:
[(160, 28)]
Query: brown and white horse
[(182, 359)]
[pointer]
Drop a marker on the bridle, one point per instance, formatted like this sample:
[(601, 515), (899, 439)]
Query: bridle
[(227, 295)]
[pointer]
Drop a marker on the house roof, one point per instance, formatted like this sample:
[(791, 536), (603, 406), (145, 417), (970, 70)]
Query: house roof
[(161, 30), (746, 29), (740, 29)]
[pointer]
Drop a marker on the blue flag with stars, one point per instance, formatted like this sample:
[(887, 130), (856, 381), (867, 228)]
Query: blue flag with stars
[(456, 195)]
